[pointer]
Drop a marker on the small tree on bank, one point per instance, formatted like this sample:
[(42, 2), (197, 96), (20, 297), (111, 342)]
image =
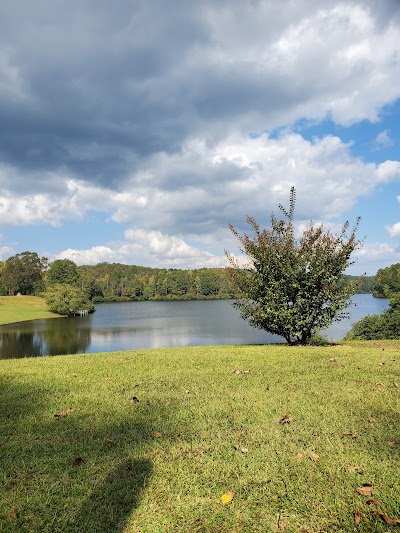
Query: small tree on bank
[(293, 287)]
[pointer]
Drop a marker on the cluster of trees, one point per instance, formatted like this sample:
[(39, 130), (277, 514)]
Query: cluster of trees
[(387, 282), (386, 325), (376, 327)]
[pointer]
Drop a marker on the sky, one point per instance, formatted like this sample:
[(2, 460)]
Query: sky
[(136, 131)]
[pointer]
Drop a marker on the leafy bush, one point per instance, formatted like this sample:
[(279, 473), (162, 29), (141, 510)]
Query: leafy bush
[(67, 300), (378, 327)]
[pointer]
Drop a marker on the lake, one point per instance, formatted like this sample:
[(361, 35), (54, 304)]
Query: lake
[(140, 325)]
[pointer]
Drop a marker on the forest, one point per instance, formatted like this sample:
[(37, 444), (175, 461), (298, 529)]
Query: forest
[(27, 273)]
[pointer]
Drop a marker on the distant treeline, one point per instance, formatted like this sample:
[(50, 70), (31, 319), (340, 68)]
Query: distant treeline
[(27, 273), (107, 282)]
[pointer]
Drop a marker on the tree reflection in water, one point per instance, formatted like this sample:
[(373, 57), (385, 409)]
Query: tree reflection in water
[(43, 337)]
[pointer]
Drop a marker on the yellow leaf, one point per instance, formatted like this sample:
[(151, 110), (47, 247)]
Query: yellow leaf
[(227, 497), (313, 456)]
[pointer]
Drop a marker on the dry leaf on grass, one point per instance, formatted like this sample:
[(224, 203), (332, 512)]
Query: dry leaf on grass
[(358, 469), (370, 419), (357, 515), (349, 435), (395, 384), (313, 456), (385, 518), (65, 413), (78, 461), (285, 420), (227, 497), (14, 513), (372, 501), (108, 379), (238, 371), (157, 434), (365, 489), (301, 455), (392, 443)]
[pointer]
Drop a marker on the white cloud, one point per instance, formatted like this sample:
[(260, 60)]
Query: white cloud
[(394, 230), (383, 139), (373, 256)]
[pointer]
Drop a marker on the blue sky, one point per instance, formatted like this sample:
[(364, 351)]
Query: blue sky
[(134, 133)]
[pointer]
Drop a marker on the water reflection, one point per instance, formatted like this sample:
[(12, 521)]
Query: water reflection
[(39, 337)]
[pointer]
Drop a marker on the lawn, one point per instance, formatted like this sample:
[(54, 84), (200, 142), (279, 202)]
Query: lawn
[(149, 441), (21, 308)]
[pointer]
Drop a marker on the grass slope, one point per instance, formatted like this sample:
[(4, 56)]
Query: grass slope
[(199, 429), (21, 308)]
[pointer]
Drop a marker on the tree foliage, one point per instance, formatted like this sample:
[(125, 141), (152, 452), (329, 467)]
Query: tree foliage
[(379, 327), (62, 271), (293, 287), (23, 273), (387, 281), (65, 299)]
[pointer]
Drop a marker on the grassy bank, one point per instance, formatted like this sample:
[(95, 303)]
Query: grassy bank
[(196, 430), (21, 308)]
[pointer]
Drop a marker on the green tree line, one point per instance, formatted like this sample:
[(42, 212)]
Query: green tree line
[(27, 273)]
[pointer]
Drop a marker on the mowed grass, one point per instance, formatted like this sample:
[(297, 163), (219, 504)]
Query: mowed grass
[(21, 308), (199, 429)]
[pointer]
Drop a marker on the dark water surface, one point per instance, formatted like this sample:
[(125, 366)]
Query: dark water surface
[(140, 325)]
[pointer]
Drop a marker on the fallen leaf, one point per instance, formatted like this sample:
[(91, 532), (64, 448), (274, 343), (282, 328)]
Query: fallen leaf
[(372, 501), (357, 469), (134, 399), (241, 371), (357, 515), (227, 497), (350, 435), (73, 375), (301, 455), (372, 419), (108, 379), (313, 456), (244, 450), (395, 384), (109, 441), (332, 360), (365, 489), (14, 513), (78, 461), (157, 434), (285, 420), (388, 520), (392, 443)]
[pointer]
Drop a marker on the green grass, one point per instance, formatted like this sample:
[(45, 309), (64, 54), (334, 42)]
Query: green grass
[(161, 464), (21, 308)]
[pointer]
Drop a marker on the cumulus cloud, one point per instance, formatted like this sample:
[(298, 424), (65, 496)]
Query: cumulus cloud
[(144, 114), (146, 248), (101, 91)]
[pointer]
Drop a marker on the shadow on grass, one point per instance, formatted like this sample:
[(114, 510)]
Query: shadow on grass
[(112, 501), (37, 454)]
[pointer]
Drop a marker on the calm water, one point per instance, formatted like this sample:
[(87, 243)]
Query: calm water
[(139, 325)]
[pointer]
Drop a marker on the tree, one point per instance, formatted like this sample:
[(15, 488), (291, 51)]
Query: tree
[(62, 271), (387, 281), (67, 300), (24, 273), (293, 287), (378, 327)]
